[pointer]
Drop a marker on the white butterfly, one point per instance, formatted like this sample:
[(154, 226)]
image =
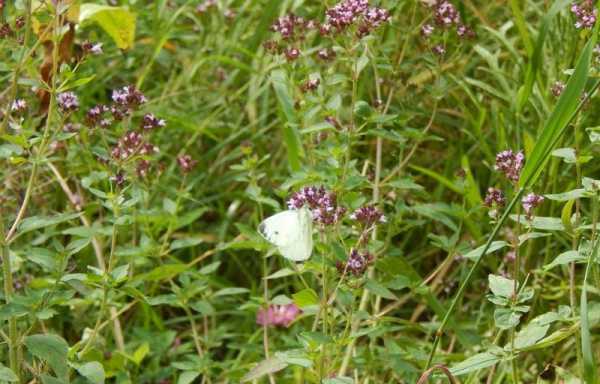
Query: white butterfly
[(291, 232)]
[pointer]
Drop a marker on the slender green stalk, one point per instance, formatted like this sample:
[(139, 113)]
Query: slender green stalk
[(13, 335), (439, 333)]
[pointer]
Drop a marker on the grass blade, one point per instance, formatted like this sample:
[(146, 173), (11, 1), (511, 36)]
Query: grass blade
[(589, 364), (291, 136), (535, 62), (561, 116)]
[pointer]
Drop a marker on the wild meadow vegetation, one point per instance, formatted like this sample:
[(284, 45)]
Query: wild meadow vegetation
[(442, 155)]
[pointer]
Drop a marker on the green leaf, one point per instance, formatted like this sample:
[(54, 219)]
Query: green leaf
[(52, 349), (476, 253), (295, 357), (140, 353), (291, 136), (117, 22), (93, 371), (379, 289), (561, 115), (37, 222), (6, 374), (475, 363), (186, 243), (305, 298), (540, 222), (47, 379), (505, 318), (501, 286), (569, 195), (265, 367), (187, 377), (281, 273), (567, 154), (230, 291), (203, 307), (565, 258), (530, 335), (338, 380), (164, 272), (536, 60)]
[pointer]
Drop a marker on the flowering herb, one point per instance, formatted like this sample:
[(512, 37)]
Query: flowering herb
[(322, 204), (585, 14), (356, 264), (510, 164), (67, 102), (368, 216), (530, 202)]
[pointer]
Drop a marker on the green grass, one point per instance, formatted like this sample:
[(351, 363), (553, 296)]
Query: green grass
[(160, 279)]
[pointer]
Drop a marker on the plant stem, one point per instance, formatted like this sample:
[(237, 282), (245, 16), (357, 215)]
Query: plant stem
[(439, 333), (13, 335)]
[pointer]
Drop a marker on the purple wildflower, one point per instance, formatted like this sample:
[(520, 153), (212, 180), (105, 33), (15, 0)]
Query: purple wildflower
[(510, 164), (128, 97), (326, 54), (349, 12), (439, 50), (343, 14), (149, 121), (18, 106), (205, 6), (19, 22), (5, 30), (67, 101), (494, 198), (445, 13), (292, 53), (142, 168), (427, 30), (130, 144), (356, 263), (585, 12), (95, 114), (321, 203), (557, 88), (531, 201), (186, 163), (368, 215), (92, 48), (310, 85), (278, 315), (465, 32), (290, 27)]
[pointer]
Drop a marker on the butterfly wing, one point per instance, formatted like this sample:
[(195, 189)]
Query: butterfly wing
[(291, 232)]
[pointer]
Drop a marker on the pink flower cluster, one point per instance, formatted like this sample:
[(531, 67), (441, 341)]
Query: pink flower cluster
[(349, 12), (557, 88), (368, 215), (510, 164), (445, 15), (130, 144), (494, 197), (320, 202), (149, 121), (128, 97), (530, 202), (278, 315), (586, 13), (292, 27), (67, 101), (186, 163), (356, 263)]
